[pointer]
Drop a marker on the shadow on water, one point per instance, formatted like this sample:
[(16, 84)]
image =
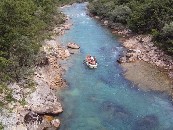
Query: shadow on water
[(149, 122), (113, 111)]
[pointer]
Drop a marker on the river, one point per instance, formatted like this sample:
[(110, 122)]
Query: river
[(102, 99)]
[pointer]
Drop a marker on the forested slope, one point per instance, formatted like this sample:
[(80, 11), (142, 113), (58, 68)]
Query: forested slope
[(23, 25), (141, 16)]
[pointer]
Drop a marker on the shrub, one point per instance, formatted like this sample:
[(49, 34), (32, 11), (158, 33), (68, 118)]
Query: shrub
[(120, 14), (165, 38)]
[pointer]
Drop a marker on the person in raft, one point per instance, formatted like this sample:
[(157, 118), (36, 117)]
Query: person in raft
[(88, 58), (91, 60), (95, 60)]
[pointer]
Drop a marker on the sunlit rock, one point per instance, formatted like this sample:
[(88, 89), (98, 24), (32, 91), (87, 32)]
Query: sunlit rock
[(73, 45), (55, 123), (67, 53)]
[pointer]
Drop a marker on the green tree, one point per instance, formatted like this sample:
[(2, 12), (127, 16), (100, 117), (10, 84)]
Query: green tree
[(152, 14), (120, 14), (165, 38), (22, 27)]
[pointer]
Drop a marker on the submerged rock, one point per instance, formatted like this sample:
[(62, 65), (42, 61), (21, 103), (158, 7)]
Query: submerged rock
[(107, 80), (114, 111), (149, 122)]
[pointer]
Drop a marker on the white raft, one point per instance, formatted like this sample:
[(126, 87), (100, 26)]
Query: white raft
[(91, 66), (91, 62)]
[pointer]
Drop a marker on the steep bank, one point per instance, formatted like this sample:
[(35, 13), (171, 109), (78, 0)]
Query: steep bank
[(34, 106)]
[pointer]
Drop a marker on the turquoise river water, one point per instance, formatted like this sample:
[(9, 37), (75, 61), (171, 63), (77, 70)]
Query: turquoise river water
[(102, 99)]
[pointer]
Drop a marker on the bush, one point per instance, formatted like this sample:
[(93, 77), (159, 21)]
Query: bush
[(165, 38), (22, 28), (151, 14), (120, 14), (101, 8), (168, 30), (1, 127), (141, 16)]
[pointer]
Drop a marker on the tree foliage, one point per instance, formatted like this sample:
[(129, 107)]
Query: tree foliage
[(165, 37), (141, 16), (64, 2), (120, 14), (22, 25), (152, 14)]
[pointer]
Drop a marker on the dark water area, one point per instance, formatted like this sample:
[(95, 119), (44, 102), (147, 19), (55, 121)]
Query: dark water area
[(102, 99)]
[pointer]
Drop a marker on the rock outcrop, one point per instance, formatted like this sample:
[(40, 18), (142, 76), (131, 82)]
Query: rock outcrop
[(40, 99), (73, 45), (141, 48), (60, 30)]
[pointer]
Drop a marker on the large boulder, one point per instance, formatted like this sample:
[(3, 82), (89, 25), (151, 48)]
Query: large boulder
[(149, 122), (48, 107), (73, 45), (44, 100)]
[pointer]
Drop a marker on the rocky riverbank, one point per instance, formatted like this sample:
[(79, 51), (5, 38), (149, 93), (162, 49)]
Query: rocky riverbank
[(34, 108), (141, 47), (147, 65), (139, 51)]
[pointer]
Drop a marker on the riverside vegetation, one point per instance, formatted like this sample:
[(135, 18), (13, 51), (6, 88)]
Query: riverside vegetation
[(24, 25), (145, 27), (141, 16)]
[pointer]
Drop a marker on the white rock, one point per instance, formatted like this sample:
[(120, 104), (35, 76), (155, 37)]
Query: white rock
[(67, 53), (73, 45), (56, 123), (105, 22)]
